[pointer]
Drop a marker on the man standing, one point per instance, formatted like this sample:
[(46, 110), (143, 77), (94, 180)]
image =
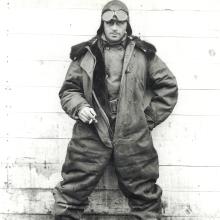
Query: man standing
[(106, 90)]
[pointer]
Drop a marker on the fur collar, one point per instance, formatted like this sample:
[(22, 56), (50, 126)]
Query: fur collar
[(148, 49), (79, 50)]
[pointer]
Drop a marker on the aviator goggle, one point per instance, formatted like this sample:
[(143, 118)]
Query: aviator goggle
[(119, 14)]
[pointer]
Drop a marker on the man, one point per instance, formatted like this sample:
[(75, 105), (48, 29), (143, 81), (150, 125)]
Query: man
[(106, 90)]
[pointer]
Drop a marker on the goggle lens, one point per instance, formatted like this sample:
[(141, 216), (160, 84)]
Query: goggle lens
[(109, 15)]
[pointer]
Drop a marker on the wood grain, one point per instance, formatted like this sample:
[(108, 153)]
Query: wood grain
[(111, 201), (149, 23), (51, 74), (46, 175), (57, 47), (178, 140), (45, 99), (139, 5)]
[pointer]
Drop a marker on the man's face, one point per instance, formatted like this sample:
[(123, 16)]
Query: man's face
[(115, 30)]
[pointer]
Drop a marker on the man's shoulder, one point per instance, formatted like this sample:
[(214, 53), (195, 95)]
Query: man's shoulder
[(147, 48), (78, 50)]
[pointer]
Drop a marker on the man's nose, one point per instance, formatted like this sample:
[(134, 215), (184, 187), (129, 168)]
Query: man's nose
[(115, 26)]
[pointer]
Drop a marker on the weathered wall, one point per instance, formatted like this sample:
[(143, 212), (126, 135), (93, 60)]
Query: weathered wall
[(35, 40)]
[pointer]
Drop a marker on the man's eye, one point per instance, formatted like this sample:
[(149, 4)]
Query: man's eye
[(120, 22), (110, 22)]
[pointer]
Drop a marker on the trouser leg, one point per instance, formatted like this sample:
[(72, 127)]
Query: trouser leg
[(84, 165), (137, 171)]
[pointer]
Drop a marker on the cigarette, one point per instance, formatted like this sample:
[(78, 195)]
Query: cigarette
[(90, 121)]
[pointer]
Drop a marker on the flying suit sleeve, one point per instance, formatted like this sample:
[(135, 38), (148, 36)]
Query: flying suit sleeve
[(165, 92), (71, 93)]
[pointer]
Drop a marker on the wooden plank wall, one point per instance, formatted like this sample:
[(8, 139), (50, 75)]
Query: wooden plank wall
[(35, 40)]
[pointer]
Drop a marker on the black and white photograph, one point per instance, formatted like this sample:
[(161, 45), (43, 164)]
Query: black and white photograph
[(109, 110)]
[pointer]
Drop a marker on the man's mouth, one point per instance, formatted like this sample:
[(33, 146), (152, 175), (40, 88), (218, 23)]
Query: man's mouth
[(114, 34)]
